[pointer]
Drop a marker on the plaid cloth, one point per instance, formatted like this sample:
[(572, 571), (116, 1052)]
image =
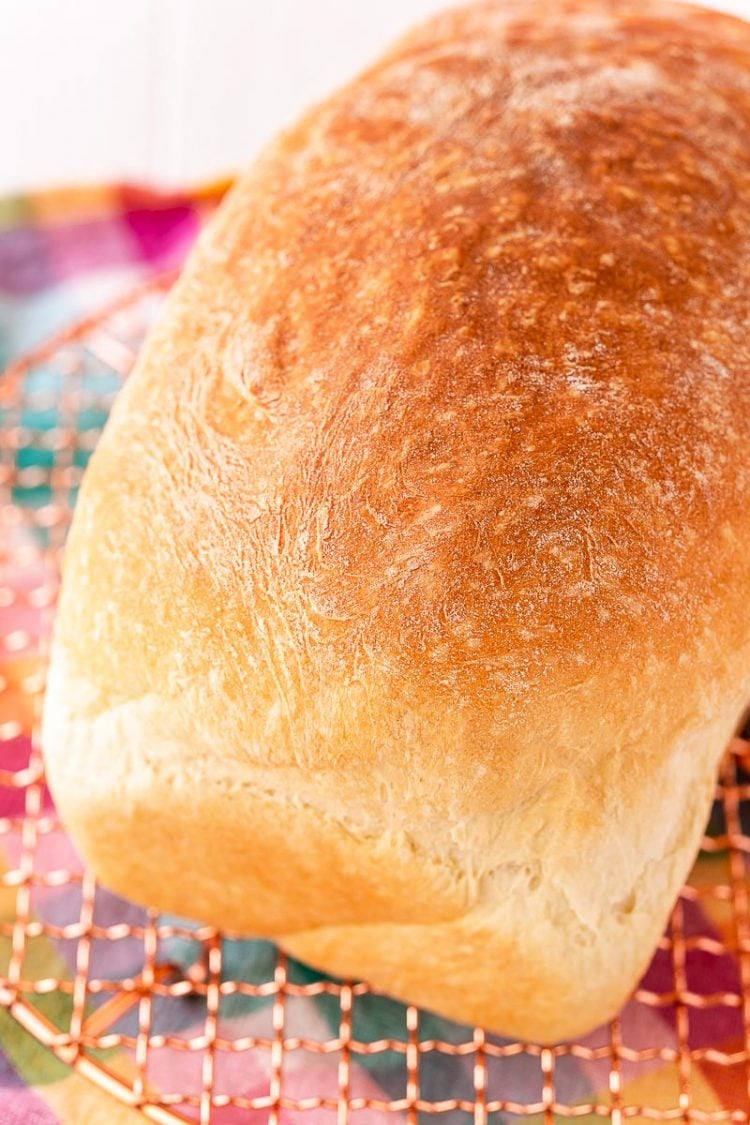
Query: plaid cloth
[(63, 254)]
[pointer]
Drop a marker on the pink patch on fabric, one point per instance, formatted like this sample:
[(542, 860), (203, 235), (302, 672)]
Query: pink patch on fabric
[(14, 756), (25, 262), (19, 616), (81, 247), (164, 235), (25, 1107), (29, 576), (247, 1074), (319, 1075), (641, 1026), (707, 973), (17, 620)]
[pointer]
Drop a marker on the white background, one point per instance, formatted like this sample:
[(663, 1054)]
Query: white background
[(172, 91)]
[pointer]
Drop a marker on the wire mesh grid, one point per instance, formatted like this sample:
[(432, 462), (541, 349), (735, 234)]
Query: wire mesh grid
[(187, 1024)]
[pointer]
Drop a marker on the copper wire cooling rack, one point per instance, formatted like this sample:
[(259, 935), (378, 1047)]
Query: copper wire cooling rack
[(97, 980)]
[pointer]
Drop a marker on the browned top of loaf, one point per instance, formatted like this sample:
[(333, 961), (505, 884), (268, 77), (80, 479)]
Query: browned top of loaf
[(466, 359)]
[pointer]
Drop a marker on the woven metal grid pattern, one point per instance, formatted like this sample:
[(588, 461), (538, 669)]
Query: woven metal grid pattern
[(52, 407)]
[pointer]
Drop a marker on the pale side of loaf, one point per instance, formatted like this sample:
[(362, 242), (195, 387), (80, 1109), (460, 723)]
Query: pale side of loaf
[(415, 557)]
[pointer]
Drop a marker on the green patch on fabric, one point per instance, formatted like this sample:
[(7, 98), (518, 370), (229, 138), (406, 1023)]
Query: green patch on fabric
[(35, 1064), (15, 211)]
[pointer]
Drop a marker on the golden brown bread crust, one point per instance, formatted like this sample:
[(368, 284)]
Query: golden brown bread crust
[(417, 549)]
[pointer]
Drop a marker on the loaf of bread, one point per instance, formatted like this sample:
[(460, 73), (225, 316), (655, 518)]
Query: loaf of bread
[(406, 610)]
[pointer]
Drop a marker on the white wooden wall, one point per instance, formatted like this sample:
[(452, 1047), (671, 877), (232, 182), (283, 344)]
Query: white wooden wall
[(172, 91)]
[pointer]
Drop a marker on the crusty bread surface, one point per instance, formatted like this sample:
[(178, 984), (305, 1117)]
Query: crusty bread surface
[(406, 608)]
